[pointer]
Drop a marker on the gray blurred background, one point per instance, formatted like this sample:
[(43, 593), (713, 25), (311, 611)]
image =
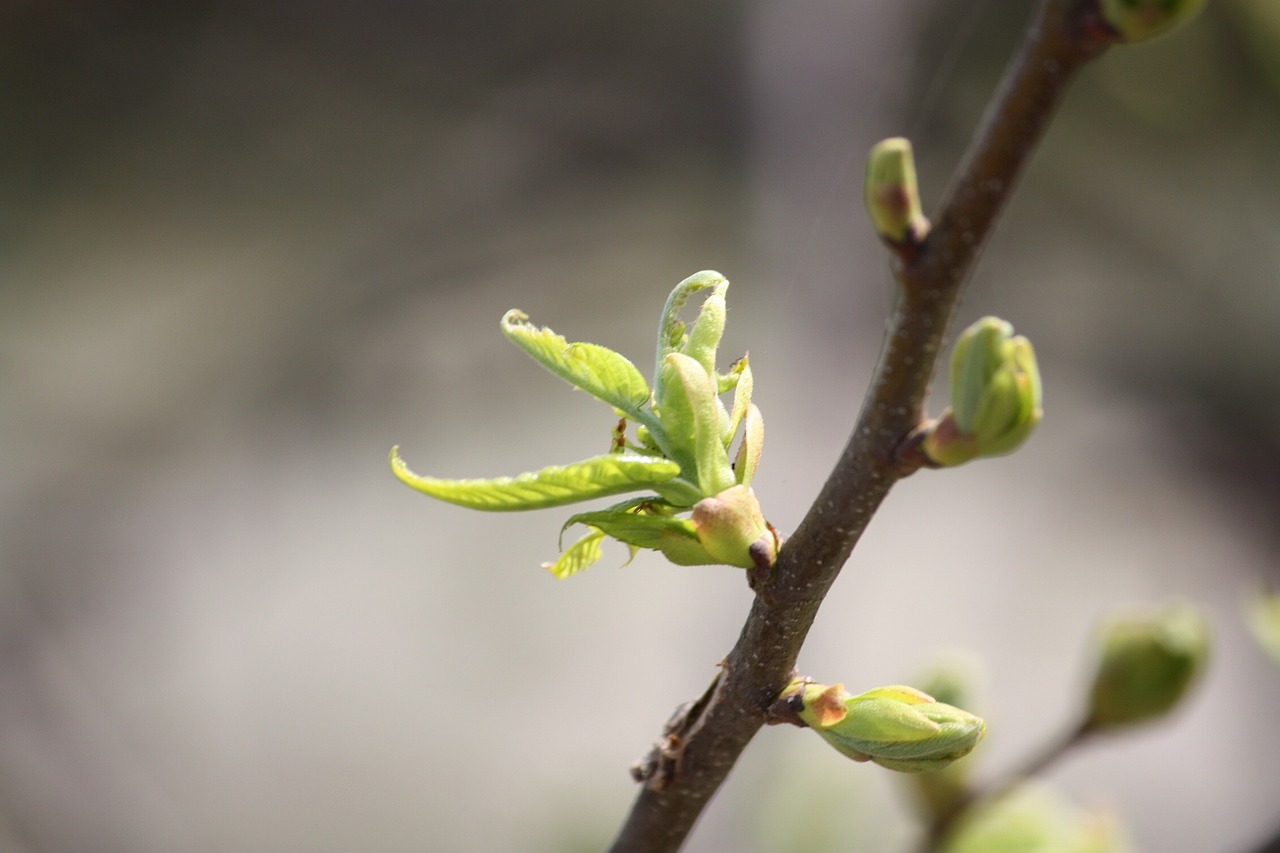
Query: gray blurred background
[(245, 247)]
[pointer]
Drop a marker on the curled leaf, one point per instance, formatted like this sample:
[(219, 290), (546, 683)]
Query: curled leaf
[(748, 458), (704, 337), (671, 329), (601, 372)]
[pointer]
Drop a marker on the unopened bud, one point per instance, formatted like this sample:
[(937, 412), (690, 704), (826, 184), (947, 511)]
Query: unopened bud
[(897, 727), (1143, 20), (1263, 619), (1147, 663), (892, 194), (995, 395)]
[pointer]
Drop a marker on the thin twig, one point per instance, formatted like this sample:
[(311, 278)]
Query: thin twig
[(1060, 39), (1036, 765)]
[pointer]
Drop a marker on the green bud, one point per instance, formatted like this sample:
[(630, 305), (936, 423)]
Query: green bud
[(1262, 615), (892, 195), (1033, 818), (732, 529), (897, 727), (1146, 665), (995, 396), (1143, 20)]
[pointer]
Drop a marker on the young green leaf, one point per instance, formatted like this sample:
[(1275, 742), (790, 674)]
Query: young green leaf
[(692, 416), (742, 384), (600, 476), (642, 530), (704, 338), (580, 555), (751, 447), (671, 329), (601, 372)]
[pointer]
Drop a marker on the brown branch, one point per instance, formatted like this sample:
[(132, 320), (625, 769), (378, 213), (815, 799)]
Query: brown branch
[(1062, 37)]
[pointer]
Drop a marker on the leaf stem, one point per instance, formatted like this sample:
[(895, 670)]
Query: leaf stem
[(1062, 37)]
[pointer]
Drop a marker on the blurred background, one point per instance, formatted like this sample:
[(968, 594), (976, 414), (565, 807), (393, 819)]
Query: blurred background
[(247, 247)]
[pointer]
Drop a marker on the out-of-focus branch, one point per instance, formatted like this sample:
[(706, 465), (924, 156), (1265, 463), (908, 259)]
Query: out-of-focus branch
[(702, 746)]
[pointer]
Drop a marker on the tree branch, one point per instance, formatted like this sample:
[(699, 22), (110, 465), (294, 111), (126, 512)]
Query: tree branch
[(1062, 37)]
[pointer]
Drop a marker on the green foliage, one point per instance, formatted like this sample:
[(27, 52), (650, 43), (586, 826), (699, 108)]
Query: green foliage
[(681, 452), (557, 485)]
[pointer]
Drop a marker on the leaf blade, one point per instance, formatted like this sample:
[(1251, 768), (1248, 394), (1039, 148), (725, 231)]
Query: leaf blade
[(601, 372), (579, 556), (556, 485), (641, 530)]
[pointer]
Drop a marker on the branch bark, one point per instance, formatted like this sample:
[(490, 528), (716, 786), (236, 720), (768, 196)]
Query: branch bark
[(1062, 37)]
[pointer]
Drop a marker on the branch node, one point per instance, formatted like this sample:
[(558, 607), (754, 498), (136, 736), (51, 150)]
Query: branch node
[(662, 767)]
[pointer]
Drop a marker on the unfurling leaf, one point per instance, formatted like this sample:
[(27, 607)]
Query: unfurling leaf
[(748, 458), (671, 329), (691, 414), (632, 525), (601, 372), (680, 454), (580, 555), (600, 476)]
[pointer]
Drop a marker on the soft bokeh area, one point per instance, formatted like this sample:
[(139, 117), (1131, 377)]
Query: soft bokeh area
[(247, 247)]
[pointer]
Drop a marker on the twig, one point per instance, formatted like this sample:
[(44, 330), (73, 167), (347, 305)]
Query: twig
[(1038, 763), (1062, 37)]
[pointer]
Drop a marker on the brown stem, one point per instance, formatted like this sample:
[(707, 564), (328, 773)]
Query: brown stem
[(1062, 37)]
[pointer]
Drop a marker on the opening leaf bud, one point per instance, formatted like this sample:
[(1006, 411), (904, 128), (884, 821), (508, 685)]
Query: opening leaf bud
[(996, 397), (897, 727)]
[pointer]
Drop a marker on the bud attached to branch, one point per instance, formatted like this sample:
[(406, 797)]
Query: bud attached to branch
[(897, 727), (733, 530), (681, 454), (1147, 663), (1143, 20), (892, 194), (995, 396)]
